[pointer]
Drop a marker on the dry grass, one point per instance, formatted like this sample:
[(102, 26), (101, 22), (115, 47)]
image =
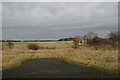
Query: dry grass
[(107, 60), (0, 55)]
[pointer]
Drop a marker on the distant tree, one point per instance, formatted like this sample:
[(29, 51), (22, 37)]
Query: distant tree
[(10, 44), (91, 35), (114, 35), (114, 38), (65, 39), (76, 41)]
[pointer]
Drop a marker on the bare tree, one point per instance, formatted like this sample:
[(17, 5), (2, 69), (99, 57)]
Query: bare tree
[(114, 35), (90, 35)]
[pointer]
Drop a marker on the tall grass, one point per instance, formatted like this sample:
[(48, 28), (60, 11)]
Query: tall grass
[(107, 60)]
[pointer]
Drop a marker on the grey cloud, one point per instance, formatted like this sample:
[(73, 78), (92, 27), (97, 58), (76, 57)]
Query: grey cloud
[(52, 20)]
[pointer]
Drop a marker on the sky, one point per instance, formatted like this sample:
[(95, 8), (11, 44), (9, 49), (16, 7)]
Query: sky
[(0, 21), (60, 0), (55, 20)]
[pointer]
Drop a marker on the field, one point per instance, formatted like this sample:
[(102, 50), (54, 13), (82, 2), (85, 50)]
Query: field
[(106, 60)]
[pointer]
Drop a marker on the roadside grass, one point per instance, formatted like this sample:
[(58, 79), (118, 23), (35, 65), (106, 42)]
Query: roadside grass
[(104, 60)]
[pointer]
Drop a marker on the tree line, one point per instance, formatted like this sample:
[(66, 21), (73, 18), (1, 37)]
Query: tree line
[(91, 38)]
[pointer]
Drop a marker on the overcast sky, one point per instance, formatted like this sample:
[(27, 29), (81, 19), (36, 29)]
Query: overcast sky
[(55, 20)]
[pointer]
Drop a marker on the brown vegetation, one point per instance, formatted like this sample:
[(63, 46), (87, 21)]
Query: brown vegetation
[(33, 46), (110, 43), (107, 60), (76, 41), (10, 44)]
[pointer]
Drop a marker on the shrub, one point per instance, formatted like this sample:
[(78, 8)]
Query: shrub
[(76, 41), (41, 47), (33, 46), (10, 44), (103, 43)]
